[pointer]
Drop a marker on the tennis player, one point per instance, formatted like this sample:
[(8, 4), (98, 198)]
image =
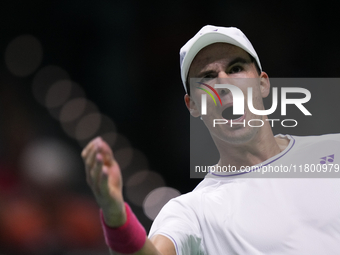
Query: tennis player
[(227, 213)]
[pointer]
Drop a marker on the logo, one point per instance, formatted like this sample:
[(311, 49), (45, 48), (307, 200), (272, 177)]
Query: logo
[(329, 158), (239, 99), (204, 97)]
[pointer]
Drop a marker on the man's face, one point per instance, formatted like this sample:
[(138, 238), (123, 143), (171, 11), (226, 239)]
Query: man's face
[(223, 63)]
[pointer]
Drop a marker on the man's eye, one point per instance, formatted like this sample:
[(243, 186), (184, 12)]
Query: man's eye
[(208, 76), (236, 69)]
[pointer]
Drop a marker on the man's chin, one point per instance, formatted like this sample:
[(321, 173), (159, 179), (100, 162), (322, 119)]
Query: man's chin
[(236, 134)]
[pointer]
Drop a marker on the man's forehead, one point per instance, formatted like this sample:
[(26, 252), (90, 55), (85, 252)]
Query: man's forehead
[(217, 51)]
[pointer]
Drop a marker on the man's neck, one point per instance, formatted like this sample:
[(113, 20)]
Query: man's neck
[(262, 147)]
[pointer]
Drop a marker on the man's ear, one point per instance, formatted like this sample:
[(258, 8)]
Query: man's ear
[(264, 84), (192, 107)]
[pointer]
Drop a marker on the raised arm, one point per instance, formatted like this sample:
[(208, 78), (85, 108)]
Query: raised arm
[(105, 180)]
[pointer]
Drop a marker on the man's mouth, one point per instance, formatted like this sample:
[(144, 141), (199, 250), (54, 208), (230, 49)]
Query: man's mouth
[(228, 114)]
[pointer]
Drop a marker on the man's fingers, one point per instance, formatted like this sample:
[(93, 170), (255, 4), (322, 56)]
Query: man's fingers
[(90, 158), (94, 170), (98, 158), (106, 151), (105, 148), (86, 150), (97, 173), (90, 145), (91, 166)]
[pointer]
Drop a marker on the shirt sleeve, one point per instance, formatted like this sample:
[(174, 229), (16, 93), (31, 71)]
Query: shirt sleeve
[(178, 221)]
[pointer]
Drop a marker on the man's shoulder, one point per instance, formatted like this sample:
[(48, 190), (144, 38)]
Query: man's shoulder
[(316, 139), (327, 144), (193, 197)]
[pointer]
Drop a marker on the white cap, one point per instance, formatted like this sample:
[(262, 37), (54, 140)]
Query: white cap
[(209, 35)]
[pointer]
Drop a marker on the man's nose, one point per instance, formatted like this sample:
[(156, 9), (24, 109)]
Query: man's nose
[(222, 79), (222, 74)]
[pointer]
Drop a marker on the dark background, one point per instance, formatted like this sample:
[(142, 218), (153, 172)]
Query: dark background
[(125, 55)]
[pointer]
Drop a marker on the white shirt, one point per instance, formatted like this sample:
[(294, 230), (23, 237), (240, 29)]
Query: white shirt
[(244, 213)]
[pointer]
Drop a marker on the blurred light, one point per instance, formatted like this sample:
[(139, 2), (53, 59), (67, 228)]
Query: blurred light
[(139, 185), (64, 97), (72, 114), (140, 159), (156, 199), (58, 93), (136, 164), (24, 225), (110, 138), (107, 131), (49, 162), (78, 224), (88, 126), (106, 126), (124, 157), (44, 79), (120, 143), (23, 55), (73, 109)]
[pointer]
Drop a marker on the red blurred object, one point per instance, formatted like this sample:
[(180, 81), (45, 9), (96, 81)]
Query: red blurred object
[(9, 180), (24, 225), (79, 223)]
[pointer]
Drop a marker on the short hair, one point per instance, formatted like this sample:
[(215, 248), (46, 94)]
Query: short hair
[(252, 59)]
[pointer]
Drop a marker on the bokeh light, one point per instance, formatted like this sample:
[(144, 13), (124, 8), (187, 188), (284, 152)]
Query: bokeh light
[(87, 126), (49, 162), (58, 93), (73, 109), (107, 131), (23, 55), (139, 185), (137, 162), (106, 126), (72, 118), (124, 157), (121, 142), (24, 224), (44, 79), (156, 199), (78, 223), (110, 138)]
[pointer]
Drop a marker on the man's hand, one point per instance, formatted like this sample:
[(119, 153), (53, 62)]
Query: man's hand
[(104, 178)]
